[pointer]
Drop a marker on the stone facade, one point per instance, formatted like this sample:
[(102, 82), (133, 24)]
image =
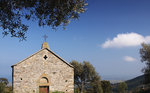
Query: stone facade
[(43, 69)]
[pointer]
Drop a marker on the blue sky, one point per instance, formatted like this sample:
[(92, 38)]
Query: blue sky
[(108, 35)]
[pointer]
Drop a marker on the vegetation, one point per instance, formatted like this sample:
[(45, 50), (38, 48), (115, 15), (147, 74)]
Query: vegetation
[(58, 92), (3, 86), (134, 85), (142, 89), (86, 79), (135, 82), (8, 89), (145, 57), (122, 87), (106, 86), (4, 81), (46, 12)]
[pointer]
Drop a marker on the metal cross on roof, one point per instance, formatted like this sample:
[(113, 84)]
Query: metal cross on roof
[(45, 37)]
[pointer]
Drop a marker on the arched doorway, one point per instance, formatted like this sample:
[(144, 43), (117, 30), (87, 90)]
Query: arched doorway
[(43, 84), (44, 88)]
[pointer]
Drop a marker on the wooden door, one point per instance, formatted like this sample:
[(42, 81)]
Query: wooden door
[(44, 89)]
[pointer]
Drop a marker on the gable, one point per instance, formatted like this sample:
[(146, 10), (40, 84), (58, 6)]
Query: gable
[(49, 51)]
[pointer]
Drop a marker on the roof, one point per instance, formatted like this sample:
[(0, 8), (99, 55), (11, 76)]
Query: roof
[(50, 52)]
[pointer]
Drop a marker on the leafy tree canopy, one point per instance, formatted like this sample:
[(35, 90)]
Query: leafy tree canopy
[(4, 80), (86, 79), (3, 83), (145, 57), (106, 86), (46, 12), (2, 87), (122, 87)]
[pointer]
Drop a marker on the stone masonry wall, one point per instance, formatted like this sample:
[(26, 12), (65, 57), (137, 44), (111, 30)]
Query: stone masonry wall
[(28, 73)]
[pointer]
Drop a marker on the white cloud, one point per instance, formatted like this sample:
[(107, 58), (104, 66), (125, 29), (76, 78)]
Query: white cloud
[(126, 40), (129, 59)]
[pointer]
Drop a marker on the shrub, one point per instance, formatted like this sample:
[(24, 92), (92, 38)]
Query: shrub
[(58, 92), (2, 87)]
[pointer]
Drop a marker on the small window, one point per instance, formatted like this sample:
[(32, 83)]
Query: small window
[(45, 57)]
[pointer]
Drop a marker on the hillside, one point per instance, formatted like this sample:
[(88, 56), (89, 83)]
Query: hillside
[(132, 83), (135, 82)]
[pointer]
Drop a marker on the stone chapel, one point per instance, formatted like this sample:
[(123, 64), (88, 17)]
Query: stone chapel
[(43, 72)]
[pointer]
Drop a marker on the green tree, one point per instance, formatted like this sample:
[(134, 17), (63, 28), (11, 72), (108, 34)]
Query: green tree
[(106, 86), (3, 83), (4, 80), (8, 89), (2, 87), (145, 57), (122, 87), (86, 79), (46, 12)]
